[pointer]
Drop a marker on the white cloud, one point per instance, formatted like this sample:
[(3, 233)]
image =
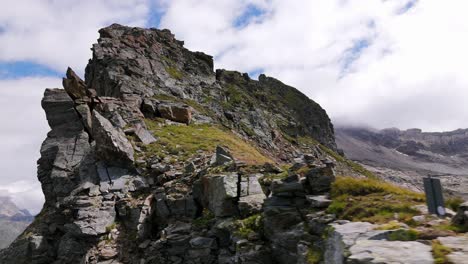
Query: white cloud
[(411, 75), (60, 33), (24, 127), (25, 194)]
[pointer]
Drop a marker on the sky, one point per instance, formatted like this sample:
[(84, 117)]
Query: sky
[(379, 63)]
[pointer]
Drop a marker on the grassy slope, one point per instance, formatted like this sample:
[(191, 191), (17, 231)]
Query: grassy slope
[(187, 140)]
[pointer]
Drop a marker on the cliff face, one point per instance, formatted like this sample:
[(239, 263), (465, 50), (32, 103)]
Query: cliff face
[(156, 158), (128, 61)]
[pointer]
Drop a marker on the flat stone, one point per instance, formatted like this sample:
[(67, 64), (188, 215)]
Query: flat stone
[(380, 251), (318, 201), (144, 135)]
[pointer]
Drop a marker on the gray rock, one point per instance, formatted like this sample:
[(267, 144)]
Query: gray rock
[(459, 246), (378, 251), (85, 115), (251, 195), (174, 111), (203, 242), (111, 144), (461, 218), (220, 193), (74, 86), (221, 157), (318, 201), (144, 135), (320, 179)]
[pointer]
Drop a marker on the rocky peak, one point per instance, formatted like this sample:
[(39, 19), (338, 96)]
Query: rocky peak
[(152, 63), (154, 147), (9, 210)]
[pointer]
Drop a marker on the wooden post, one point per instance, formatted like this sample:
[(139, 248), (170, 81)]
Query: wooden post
[(434, 196)]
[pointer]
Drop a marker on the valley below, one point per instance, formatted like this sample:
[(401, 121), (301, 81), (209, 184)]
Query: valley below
[(405, 157)]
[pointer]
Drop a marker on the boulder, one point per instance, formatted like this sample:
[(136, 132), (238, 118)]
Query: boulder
[(461, 218), (144, 135), (220, 193), (85, 114), (459, 247), (318, 201), (178, 112), (111, 144), (221, 157), (74, 86), (378, 251), (60, 111), (251, 195), (320, 179), (148, 107)]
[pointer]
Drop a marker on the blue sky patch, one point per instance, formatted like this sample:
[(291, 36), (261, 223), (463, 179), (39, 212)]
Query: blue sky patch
[(255, 73), (352, 54), (18, 69), (410, 4), (250, 13), (155, 15)]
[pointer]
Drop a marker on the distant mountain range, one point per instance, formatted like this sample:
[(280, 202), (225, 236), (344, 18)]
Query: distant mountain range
[(13, 221), (406, 156)]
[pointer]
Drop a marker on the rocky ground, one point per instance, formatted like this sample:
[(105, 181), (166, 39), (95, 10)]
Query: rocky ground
[(156, 158)]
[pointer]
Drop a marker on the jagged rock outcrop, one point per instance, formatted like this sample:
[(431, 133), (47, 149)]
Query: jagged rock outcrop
[(156, 158)]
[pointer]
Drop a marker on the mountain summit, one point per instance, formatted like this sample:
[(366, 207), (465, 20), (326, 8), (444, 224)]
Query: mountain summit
[(156, 158), (12, 221), (153, 142)]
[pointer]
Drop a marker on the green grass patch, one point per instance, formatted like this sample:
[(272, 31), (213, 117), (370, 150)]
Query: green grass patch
[(198, 107), (249, 226), (454, 203), (440, 252), (403, 235), (184, 141), (452, 227), (314, 255), (372, 201), (205, 220), (174, 72)]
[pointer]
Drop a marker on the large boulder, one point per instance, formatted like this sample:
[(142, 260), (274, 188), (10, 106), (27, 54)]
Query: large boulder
[(220, 193), (378, 251), (459, 247), (321, 179), (251, 195), (461, 218), (178, 112), (111, 144), (361, 243)]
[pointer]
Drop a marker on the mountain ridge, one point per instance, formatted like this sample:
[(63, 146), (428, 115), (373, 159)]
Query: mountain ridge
[(12, 221), (410, 154), (152, 140)]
